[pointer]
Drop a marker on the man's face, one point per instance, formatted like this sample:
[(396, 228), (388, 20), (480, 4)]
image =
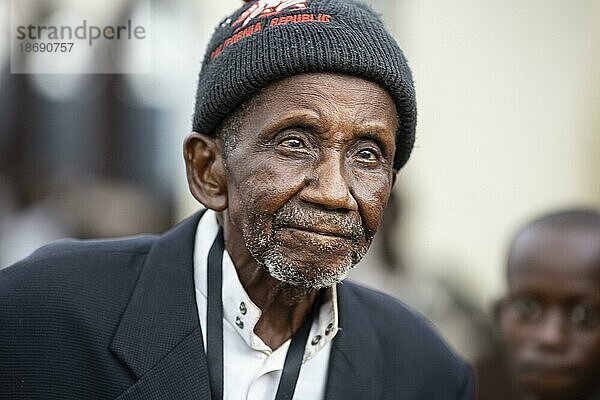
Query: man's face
[(551, 318), (310, 175)]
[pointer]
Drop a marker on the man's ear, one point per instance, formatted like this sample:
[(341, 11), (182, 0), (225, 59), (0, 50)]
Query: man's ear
[(205, 170)]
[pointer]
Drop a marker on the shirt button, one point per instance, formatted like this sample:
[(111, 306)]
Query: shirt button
[(243, 308), (239, 322), (329, 329), (316, 340)]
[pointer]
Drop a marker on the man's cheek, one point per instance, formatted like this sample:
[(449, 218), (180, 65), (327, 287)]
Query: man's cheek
[(372, 215), (275, 182), (236, 210), (590, 352), (509, 333)]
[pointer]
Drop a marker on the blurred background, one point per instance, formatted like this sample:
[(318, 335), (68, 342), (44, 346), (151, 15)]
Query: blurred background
[(509, 128)]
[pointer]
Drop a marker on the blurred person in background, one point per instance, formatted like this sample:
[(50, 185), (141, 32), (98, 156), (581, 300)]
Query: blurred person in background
[(549, 320), (305, 113)]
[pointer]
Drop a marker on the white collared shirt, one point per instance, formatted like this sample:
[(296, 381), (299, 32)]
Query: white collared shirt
[(251, 368)]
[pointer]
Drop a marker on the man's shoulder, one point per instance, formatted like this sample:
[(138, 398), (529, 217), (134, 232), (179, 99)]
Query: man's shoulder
[(387, 312), (72, 266), (66, 251), (61, 307), (407, 339), (69, 248)]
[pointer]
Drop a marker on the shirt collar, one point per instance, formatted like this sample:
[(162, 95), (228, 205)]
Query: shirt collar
[(239, 310)]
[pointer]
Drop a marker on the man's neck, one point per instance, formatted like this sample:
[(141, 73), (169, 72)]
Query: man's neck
[(284, 307)]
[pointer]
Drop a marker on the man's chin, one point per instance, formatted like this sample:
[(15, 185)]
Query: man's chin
[(551, 386), (309, 274)]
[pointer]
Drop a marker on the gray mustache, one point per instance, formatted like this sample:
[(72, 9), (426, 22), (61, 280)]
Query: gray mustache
[(319, 220)]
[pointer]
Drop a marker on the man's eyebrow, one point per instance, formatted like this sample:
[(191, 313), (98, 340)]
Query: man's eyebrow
[(305, 119), (373, 133)]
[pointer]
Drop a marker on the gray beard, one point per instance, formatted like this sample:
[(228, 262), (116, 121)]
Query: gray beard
[(270, 255), (306, 276)]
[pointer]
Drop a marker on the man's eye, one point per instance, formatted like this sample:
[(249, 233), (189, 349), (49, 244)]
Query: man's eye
[(527, 308), (293, 143), (367, 155), (585, 316)]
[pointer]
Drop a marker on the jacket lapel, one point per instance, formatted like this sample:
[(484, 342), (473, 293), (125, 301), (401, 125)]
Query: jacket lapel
[(159, 336), (355, 370)]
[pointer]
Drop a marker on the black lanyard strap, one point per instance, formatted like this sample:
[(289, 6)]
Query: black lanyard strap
[(214, 332), (295, 354), (214, 317)]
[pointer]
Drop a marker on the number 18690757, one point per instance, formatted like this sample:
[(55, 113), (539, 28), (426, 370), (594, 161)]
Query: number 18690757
[(51, 47)]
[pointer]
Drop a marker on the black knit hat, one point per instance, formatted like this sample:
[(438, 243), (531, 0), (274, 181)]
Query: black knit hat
[(266, 40)]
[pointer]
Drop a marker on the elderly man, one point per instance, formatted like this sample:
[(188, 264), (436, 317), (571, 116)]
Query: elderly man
[(305, 112)]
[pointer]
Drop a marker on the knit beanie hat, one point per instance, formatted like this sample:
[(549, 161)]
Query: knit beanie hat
[(266, 40)]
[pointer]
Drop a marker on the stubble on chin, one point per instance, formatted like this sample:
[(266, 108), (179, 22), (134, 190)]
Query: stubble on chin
[(310, 273)]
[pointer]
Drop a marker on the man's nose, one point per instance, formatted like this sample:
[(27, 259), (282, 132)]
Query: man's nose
[(327, 184), (552, 330)]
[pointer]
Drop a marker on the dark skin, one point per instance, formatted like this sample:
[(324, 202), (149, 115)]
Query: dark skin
[(320, 144), (550, 319)]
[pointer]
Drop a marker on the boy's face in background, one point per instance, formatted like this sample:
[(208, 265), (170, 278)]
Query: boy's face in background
[(550, 319)]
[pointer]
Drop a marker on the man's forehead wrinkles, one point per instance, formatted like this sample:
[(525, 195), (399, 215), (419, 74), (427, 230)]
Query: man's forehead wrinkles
[(370, 115), (320, 124), (334, 98), (307, 99)]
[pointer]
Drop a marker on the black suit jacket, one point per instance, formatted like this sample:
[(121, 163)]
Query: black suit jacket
[(117, 319)]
